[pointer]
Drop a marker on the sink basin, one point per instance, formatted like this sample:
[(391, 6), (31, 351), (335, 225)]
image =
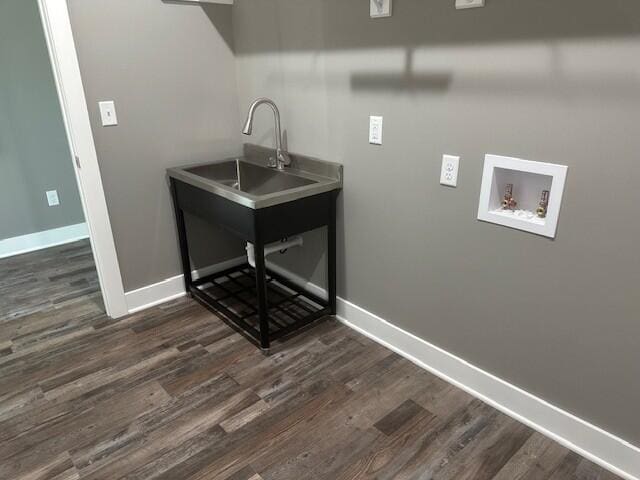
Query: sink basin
[(250, 178), (249, 181)]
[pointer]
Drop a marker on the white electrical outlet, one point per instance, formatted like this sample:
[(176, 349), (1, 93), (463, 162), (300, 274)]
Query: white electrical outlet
[(108, 113), (461, 4), (450, 167), (380, 8), (375, 130), (52, 198)]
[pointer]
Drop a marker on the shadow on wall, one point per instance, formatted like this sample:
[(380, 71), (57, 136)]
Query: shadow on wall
[(219, 15), (347, 25), (334, 25), (551, 79)]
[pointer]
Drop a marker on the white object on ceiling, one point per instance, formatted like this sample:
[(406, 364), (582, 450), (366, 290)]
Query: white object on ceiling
[(223, 2), (460, 4), (380, 8)]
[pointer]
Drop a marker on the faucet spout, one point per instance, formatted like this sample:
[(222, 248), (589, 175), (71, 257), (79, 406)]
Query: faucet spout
[(282, 155)]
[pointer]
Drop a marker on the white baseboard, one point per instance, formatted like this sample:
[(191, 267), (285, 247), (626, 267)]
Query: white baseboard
[(156, 294), (40, 240), (593, 443), (171, 288)]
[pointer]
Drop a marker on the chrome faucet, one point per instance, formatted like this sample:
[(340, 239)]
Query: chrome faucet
[(282, 156)]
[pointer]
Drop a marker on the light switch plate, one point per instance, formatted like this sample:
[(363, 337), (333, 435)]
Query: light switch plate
[(108, 113), (461, 4), (380, 8), (52, 198), (450, 167), (375, 130)]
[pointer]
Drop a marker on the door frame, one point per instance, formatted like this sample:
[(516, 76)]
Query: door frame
[(66, 70)]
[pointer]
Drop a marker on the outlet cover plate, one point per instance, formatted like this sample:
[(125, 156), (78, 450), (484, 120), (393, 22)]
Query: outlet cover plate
[(380, 8), (449, 173), (52, 198)]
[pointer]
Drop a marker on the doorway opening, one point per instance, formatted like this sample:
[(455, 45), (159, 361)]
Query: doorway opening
[(56, 244)]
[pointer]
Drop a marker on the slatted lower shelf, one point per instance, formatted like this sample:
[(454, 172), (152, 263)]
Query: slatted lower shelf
[(232, 293)]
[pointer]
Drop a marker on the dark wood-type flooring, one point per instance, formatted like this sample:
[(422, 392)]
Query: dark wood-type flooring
[(173, 393)]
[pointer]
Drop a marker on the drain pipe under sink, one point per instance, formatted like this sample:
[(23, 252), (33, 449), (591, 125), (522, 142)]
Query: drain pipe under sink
[(272, 248)]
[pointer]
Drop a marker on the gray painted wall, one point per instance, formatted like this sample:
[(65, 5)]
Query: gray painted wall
[(547, 81), (170, 69), (34, 154)]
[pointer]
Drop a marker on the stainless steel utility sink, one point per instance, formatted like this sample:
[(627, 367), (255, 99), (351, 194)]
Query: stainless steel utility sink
[(249, 181)]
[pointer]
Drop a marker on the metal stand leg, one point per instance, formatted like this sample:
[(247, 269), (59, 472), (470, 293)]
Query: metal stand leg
[(261, 289), (331, 257), (182, 238)]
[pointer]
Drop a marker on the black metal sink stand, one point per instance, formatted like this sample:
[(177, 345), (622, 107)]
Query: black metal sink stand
[(258, 302)]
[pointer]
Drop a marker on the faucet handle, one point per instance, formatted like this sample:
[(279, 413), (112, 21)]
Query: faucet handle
[(272, 162), (284, 160)]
